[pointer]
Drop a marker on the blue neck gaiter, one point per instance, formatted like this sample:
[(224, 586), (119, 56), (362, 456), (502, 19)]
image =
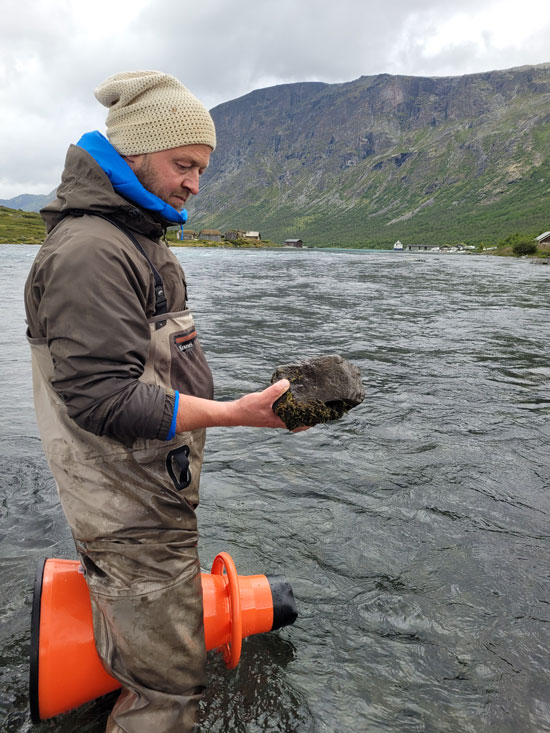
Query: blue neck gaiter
[(124, 180)]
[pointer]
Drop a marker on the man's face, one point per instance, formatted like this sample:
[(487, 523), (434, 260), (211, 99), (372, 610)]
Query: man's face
[(172, 175)]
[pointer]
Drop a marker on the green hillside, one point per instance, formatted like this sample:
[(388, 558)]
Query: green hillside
[(20, 227)]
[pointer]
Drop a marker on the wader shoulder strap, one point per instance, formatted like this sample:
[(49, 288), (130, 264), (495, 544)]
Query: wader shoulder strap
[(161, 305)]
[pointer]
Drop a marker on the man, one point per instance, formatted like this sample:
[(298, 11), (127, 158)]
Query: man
[(123, 393)]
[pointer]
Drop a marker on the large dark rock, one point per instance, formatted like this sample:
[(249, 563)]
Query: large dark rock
[(321, 389)]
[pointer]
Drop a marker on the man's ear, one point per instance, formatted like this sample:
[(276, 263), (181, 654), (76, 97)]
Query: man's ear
[(132, 159)]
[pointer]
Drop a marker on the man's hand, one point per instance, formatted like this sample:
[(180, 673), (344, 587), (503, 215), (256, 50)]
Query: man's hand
[(254, 410)]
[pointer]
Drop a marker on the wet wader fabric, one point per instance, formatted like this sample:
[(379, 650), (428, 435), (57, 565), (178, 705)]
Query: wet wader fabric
[(132, 514)]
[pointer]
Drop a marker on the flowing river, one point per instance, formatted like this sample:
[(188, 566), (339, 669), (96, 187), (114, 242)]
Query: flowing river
[(415, 531)]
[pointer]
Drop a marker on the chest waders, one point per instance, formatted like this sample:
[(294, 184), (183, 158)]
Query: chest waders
[(131, 510)]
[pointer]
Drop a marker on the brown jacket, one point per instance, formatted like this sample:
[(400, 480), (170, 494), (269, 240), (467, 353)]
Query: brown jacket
[(90, 294)]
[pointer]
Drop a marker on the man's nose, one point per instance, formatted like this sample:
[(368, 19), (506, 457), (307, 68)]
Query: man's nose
[(191, 181)]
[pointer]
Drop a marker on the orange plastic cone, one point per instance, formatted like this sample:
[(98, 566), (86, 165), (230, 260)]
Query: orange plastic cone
[(65, 669)]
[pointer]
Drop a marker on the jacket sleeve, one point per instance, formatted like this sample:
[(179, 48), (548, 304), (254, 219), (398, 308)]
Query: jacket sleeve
[(92, 294)]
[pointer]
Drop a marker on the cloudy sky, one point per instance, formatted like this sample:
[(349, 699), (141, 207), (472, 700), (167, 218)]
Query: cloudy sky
[(54, 52)]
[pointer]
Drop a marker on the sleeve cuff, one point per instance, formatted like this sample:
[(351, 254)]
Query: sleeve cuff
[(172, 430)]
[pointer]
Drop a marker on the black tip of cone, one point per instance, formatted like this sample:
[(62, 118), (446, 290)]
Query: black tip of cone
[(285, 612), (35, 642)]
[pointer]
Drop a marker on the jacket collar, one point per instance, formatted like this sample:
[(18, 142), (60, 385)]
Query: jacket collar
[(124, 180)]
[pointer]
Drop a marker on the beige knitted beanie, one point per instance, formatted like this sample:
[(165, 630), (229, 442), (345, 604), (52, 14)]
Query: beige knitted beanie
[(151, 111)]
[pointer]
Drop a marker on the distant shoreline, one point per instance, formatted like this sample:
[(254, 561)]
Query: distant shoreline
[(542, 259)]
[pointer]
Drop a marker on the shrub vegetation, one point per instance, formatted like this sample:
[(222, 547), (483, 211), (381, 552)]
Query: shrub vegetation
[(521, 249)]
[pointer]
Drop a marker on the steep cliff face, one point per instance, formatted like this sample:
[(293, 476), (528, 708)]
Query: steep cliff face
[(384, 157)]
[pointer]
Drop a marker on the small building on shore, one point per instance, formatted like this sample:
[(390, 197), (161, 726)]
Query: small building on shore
[(183, 234), (293, 243), (232, 234), (253, 235), (211, 235), (398, 246), (543, 238), (417, 247), (434, 248)]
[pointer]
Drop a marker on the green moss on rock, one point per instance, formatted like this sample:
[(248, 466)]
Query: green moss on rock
[(296, 414)]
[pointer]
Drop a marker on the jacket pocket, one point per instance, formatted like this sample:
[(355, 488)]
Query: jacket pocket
[(189, 370)]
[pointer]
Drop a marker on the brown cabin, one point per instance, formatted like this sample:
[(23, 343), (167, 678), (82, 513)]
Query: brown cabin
[(210, 235), (234, 234)]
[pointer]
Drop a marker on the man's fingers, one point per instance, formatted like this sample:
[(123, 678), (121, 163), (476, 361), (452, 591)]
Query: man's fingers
[(277, 389)]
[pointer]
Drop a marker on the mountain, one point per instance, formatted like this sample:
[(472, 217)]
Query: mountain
[(364, 163), (422, 159), (28, 201)]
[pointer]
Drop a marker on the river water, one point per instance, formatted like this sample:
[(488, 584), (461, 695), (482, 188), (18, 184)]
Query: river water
[(415, 531)]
